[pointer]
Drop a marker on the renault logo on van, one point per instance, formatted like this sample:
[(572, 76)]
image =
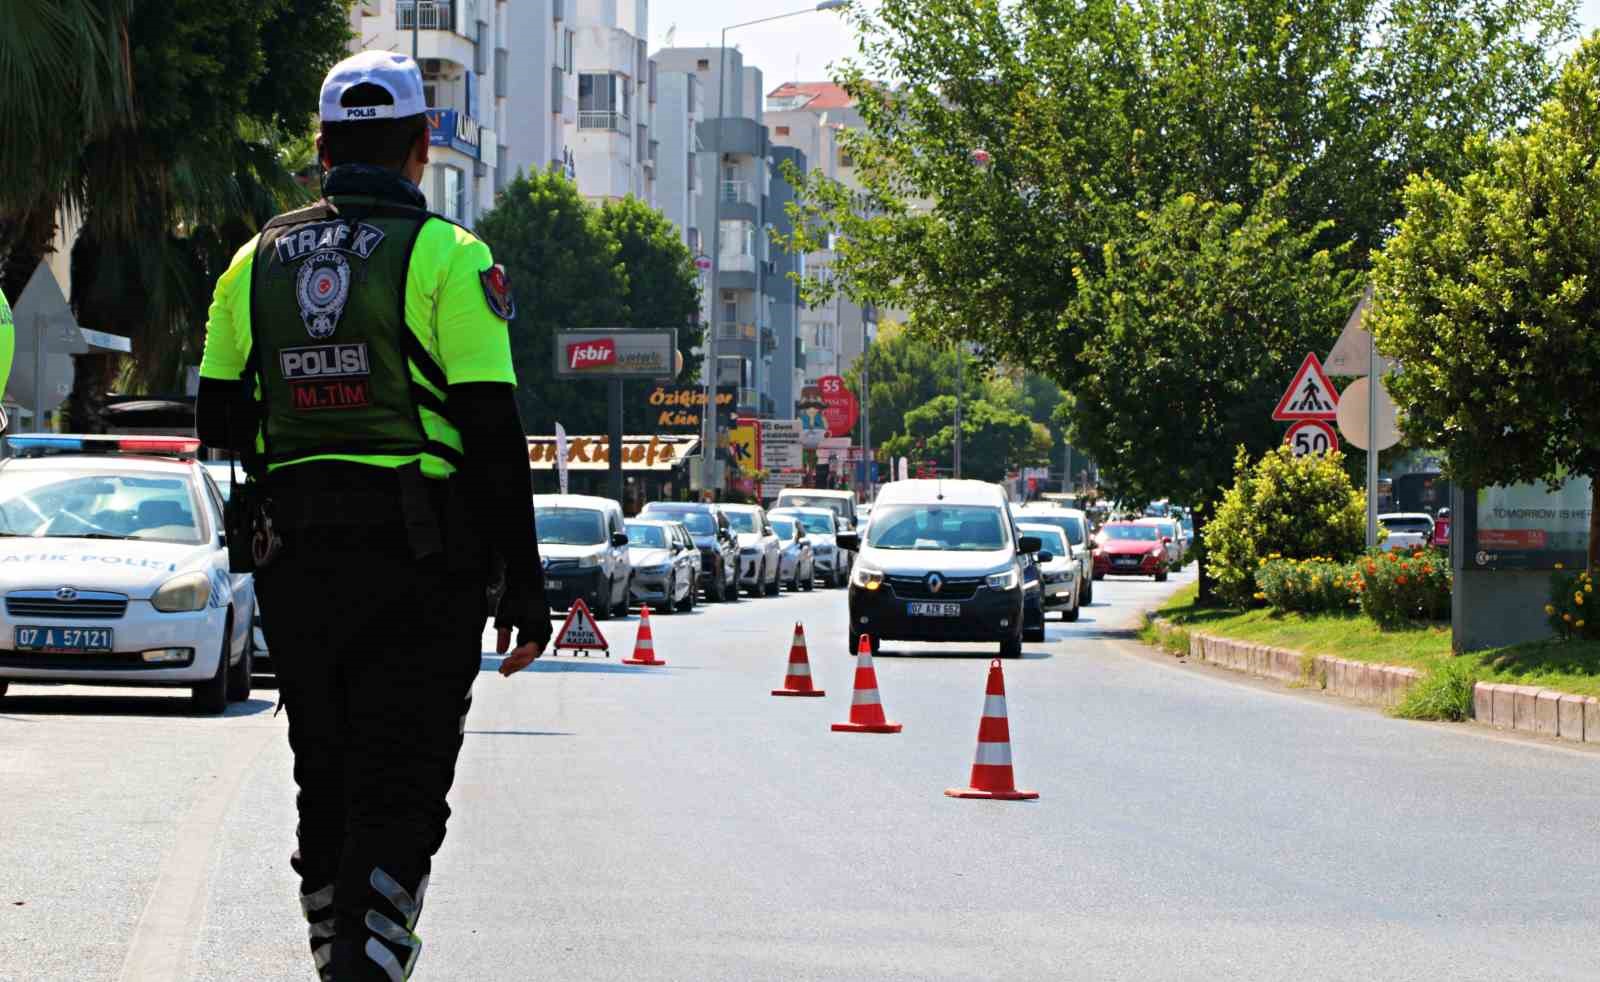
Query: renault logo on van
[(935, 583)]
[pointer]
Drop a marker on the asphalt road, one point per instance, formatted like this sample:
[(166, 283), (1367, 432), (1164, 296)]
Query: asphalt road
[(680, 823)]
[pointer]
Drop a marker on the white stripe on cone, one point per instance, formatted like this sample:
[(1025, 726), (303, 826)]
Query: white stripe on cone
[(799, 668), (994, 753), (994, 707), (864, 697)]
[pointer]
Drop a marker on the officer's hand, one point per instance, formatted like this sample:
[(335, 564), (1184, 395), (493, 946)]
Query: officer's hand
[(519, 659)]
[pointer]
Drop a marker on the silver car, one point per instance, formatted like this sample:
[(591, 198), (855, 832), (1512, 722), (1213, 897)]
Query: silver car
[(760, 556), (666, 565), (797, 567), (832, 563), (1059, 574)]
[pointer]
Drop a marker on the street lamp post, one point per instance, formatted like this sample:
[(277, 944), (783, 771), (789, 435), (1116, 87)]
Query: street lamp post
[(708, 449), (981, 159)]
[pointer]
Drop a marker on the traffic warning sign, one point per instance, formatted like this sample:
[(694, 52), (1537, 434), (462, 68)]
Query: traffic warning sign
[(580, 632), (1310, 396), (1309, 436)]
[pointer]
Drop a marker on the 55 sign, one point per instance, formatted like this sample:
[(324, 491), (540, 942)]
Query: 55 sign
[(1310, 436)]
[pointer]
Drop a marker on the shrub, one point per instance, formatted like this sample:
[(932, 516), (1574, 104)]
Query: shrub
[(1297, 507), (1399, 586), (1444, 693), (1570, 610), (1308, 586)]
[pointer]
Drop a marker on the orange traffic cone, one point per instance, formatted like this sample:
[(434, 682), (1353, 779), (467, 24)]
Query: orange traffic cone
[(991, 769), (798, 681), (866, 713), (644, 649)]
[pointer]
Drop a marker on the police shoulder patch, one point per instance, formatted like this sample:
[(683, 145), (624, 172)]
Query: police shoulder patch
[(497, 291)]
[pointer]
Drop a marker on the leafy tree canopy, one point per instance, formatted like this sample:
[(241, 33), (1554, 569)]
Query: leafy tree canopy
[(1488, 297)]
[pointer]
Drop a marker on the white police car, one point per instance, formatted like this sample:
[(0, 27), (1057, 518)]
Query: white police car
[(114, 569)]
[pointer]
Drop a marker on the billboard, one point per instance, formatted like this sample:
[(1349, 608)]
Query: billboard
[(780, 444), (617, 353), (677, 408)]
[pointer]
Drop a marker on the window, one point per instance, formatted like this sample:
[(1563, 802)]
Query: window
[(455, 194), (703, 65), (566, 51), (783, 131), (730, 311), (430, 94)]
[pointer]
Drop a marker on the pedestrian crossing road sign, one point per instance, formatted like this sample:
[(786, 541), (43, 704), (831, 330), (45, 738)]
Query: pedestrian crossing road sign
[(1310, 396), (580, 632)]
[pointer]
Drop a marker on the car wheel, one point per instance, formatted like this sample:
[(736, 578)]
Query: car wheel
[(759, 586), (3, 687), (239, 675), (668, 605), (776, 585), (602, 603), (1011, 648), (1088, 592), (839, 579), (210, 697), (1072, 615), (809, 581), (1034, 635), (1099, 576), (1161, 577)]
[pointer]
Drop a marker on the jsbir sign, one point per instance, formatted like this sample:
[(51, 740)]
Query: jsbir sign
[(617, 354)]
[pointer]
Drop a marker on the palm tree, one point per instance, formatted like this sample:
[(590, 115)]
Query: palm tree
[(65, 79)]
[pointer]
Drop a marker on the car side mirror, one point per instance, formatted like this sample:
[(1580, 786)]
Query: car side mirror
[(619, 538), (848, 541), (1166, 540), (1029, 544), (1045, 557)]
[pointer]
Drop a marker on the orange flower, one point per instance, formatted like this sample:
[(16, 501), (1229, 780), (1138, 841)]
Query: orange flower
[(1400, 580)]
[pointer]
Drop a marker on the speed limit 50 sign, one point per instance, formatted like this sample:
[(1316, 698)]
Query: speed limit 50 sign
[(1311, 436)]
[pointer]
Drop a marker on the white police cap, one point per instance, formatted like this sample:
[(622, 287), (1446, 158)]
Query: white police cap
[(394, 73)]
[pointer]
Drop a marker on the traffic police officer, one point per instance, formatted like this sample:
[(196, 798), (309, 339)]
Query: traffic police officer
[(357, 356)]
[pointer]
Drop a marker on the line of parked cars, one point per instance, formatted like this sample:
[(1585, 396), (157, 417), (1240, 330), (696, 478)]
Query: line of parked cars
[(673, 553)]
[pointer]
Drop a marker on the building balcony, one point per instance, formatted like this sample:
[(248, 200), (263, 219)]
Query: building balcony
[(735, 193), (737, 264), (749, 400), (434, 15), (615, 122), (736, 332)]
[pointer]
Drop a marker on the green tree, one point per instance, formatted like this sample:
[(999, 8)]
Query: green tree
[(567, 271), (1488, 297), (1286, 127), (64, 82), (663, 291), (994, 439)]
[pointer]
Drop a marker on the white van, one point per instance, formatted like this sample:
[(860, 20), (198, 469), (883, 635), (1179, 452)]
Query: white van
[(841, 503), (583, 543)]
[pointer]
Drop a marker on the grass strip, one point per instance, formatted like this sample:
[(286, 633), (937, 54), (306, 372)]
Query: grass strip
[(1568, 666)]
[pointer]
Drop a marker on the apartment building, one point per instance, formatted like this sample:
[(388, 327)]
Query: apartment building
[(460, 46), (811, 116), (543, 89), (753, 299), (614, 152), (680, 107)]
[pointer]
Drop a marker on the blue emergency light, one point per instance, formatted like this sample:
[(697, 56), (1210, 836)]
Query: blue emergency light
[(50, 444)]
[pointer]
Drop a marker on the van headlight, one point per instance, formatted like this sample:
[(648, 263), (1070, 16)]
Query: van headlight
[(588, 562), (866, 577), (191, 591), (1003, 580)]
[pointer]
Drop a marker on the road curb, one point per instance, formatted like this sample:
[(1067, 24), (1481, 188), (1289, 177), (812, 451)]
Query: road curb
[(1524, 708)]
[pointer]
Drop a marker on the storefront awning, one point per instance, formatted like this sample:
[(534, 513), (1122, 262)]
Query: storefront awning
[(658, 454)]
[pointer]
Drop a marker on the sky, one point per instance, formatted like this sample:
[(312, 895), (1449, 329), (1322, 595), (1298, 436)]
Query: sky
[(803, 47)]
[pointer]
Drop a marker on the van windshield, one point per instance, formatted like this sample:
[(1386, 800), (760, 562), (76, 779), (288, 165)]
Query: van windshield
[(962, 528), (835, 505), (570, 526)]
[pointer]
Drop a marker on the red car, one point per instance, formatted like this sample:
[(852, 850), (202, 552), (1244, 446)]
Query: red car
[(1130, 549)]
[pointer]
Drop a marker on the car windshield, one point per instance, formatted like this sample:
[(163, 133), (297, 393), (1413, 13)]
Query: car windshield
[(743, 521), (647, 536), (570, 526), (815, 523), (1165, 528), (1049, 539), (698, 522), (1146, 533), (1071, 525), (784, 527), (966, 528), (69, 504), (835, 505)]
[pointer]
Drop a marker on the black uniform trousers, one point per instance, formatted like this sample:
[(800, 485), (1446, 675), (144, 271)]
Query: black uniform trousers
[(376, 653)]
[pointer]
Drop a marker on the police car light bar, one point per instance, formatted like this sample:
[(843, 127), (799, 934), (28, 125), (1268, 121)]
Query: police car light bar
[(45, 444)]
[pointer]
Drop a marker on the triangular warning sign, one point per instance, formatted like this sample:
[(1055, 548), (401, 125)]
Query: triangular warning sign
[(1310, 395), (580, 632)]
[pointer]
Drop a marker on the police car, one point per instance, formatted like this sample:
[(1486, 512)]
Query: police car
[(114, 569)]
